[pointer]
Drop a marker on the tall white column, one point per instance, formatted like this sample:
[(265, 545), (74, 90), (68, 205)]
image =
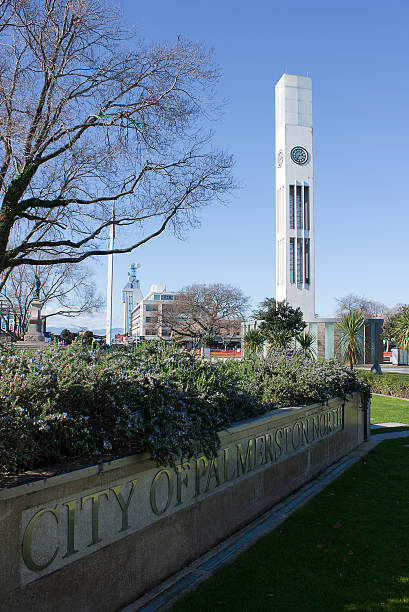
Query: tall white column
[(295, 274)]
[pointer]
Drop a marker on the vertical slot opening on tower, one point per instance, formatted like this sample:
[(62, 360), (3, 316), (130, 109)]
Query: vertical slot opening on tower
[(307, 260), (292, 261), (299, 261), (291, 205), (306, 207), (299, 207)]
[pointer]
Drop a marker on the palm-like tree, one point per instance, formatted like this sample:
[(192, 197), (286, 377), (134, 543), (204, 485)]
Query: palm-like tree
[(279, 339), (350, 324), (401, 329), (306, 340), (253, 341)]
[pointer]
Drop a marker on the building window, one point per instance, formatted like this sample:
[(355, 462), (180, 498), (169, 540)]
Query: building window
[(166, 297), (299, 207), (306, 207), (299, 261), (156, 296), (291, 200), (151, 307), (292, 261), (307, 260)]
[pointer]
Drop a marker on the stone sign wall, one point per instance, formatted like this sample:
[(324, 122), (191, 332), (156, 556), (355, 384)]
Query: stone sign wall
[(58, 528)]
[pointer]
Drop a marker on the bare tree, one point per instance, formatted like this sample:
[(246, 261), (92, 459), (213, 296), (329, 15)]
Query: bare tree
[(66, 290), (206, 310), (368, 308), (90, 116)]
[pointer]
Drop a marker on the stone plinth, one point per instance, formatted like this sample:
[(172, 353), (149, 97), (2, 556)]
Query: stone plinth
[(34, 336)]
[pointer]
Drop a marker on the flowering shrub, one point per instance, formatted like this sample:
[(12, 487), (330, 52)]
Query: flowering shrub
[(59, 405)]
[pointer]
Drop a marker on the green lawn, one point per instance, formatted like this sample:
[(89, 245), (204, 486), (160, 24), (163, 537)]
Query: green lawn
[(347, 549), (387, 410)]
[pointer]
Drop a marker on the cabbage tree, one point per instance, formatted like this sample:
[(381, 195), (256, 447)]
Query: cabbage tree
[(350, 325)]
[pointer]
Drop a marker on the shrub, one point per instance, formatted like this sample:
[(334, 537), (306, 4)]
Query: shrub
[(396, 385), (59, 405)]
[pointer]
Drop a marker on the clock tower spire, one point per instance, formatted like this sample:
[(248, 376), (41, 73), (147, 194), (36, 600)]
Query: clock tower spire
[(295, 274)]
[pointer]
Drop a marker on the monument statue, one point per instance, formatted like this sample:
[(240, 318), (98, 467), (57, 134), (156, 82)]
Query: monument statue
[(37, 287), (34, 338)]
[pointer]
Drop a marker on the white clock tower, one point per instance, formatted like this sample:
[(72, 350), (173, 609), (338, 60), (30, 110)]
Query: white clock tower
[(295, 278)]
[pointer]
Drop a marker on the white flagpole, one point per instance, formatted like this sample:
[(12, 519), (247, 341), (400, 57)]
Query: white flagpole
[(111, 244)]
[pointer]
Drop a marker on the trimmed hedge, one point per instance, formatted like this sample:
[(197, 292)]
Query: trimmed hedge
[(396, 385), (59, 405)]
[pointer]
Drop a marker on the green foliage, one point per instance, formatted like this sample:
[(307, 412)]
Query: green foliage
[(87, 337), (393, 320), (288, 378), (278, 339), (280, 322), (401, 329), (253, 342), (207, 340), (67, 336), (59, 405), (306, 340), (350, 324), (396, 385), (388, 326)]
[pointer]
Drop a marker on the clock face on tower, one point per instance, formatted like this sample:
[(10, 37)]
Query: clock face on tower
[(299, 155), (280, 158)]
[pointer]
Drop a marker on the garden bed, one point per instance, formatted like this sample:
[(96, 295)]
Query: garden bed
[(82, 405), (129, 524)]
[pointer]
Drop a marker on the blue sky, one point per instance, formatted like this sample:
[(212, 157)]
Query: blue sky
[(357, 54)]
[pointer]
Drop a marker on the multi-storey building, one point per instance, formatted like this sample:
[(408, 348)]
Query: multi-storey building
[(131, 295), (148, 315)]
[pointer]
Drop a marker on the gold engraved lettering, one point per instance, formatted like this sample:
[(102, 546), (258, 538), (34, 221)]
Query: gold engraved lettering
[(28, 534), (323, 424), (154, 504), (305, 431), (287, 431), (329, 419), (198, 473), (213, 467), (71, 527), (260, 450), (316, 426), (124, 505), (95, 513), (278, 434), (226, 466), (180, 481), (268, 448), (299, 437), (245, 463)]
